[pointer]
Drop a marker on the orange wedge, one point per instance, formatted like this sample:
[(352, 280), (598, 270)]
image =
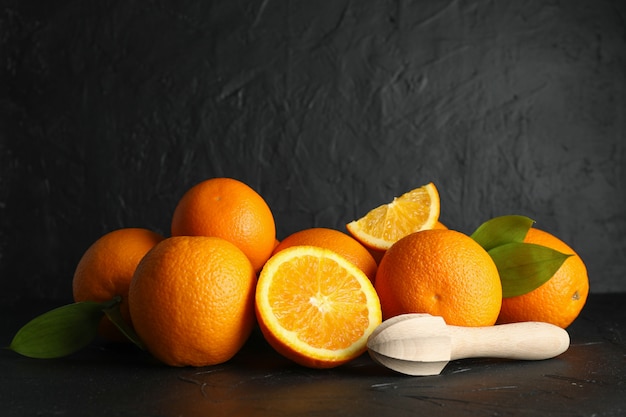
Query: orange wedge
[(383, 226), (315, 307)]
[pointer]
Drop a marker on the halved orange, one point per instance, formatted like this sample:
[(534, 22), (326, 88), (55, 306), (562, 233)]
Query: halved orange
[(412, 212), (315, 307)]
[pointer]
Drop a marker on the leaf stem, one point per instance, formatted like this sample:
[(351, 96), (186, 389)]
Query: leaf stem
[(112, 310)]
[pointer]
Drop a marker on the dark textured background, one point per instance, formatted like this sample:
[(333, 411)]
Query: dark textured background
[(110, 110)]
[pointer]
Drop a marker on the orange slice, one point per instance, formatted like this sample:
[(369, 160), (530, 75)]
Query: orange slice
[(315, 307), (383, 226)]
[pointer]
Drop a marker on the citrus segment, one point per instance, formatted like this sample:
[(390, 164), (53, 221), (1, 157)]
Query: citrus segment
[(413, 211), (315, 307)]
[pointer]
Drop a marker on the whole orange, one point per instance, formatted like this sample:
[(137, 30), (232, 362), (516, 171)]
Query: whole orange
[(106, 269), (335, 240), (443, 273), (559, 300), (378, 254), (232, 210), (192, 300)]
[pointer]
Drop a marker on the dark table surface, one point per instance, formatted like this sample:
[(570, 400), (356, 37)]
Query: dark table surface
[(589, 379)]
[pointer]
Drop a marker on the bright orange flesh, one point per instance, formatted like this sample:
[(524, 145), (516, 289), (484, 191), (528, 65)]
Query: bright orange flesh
[(413, 211), (315, 307)]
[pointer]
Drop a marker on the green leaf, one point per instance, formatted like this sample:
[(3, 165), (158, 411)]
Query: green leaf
[(502, 230), (114, 314), (525, 266), (59, 332)]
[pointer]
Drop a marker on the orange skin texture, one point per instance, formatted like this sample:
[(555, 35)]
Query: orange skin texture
[(229, 209), (339, 242), (106, 269), (192, 300), (559, 300), (443, 273), (378, 254)]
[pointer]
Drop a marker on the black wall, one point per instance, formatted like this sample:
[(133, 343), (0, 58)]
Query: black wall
[(110, 110)]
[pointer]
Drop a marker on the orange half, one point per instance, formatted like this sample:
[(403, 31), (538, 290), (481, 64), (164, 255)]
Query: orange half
[(315, 307), (412, 212)]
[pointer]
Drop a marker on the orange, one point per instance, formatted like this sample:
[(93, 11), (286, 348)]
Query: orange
[(230, 209), (413, 211), (106, 269), (378, 254), (559, 300), (192, 300), (315, 307), (440, 225), (337, 241), (443, 273)]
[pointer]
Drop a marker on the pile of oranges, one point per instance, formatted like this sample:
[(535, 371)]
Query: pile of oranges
[(194, 298)]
